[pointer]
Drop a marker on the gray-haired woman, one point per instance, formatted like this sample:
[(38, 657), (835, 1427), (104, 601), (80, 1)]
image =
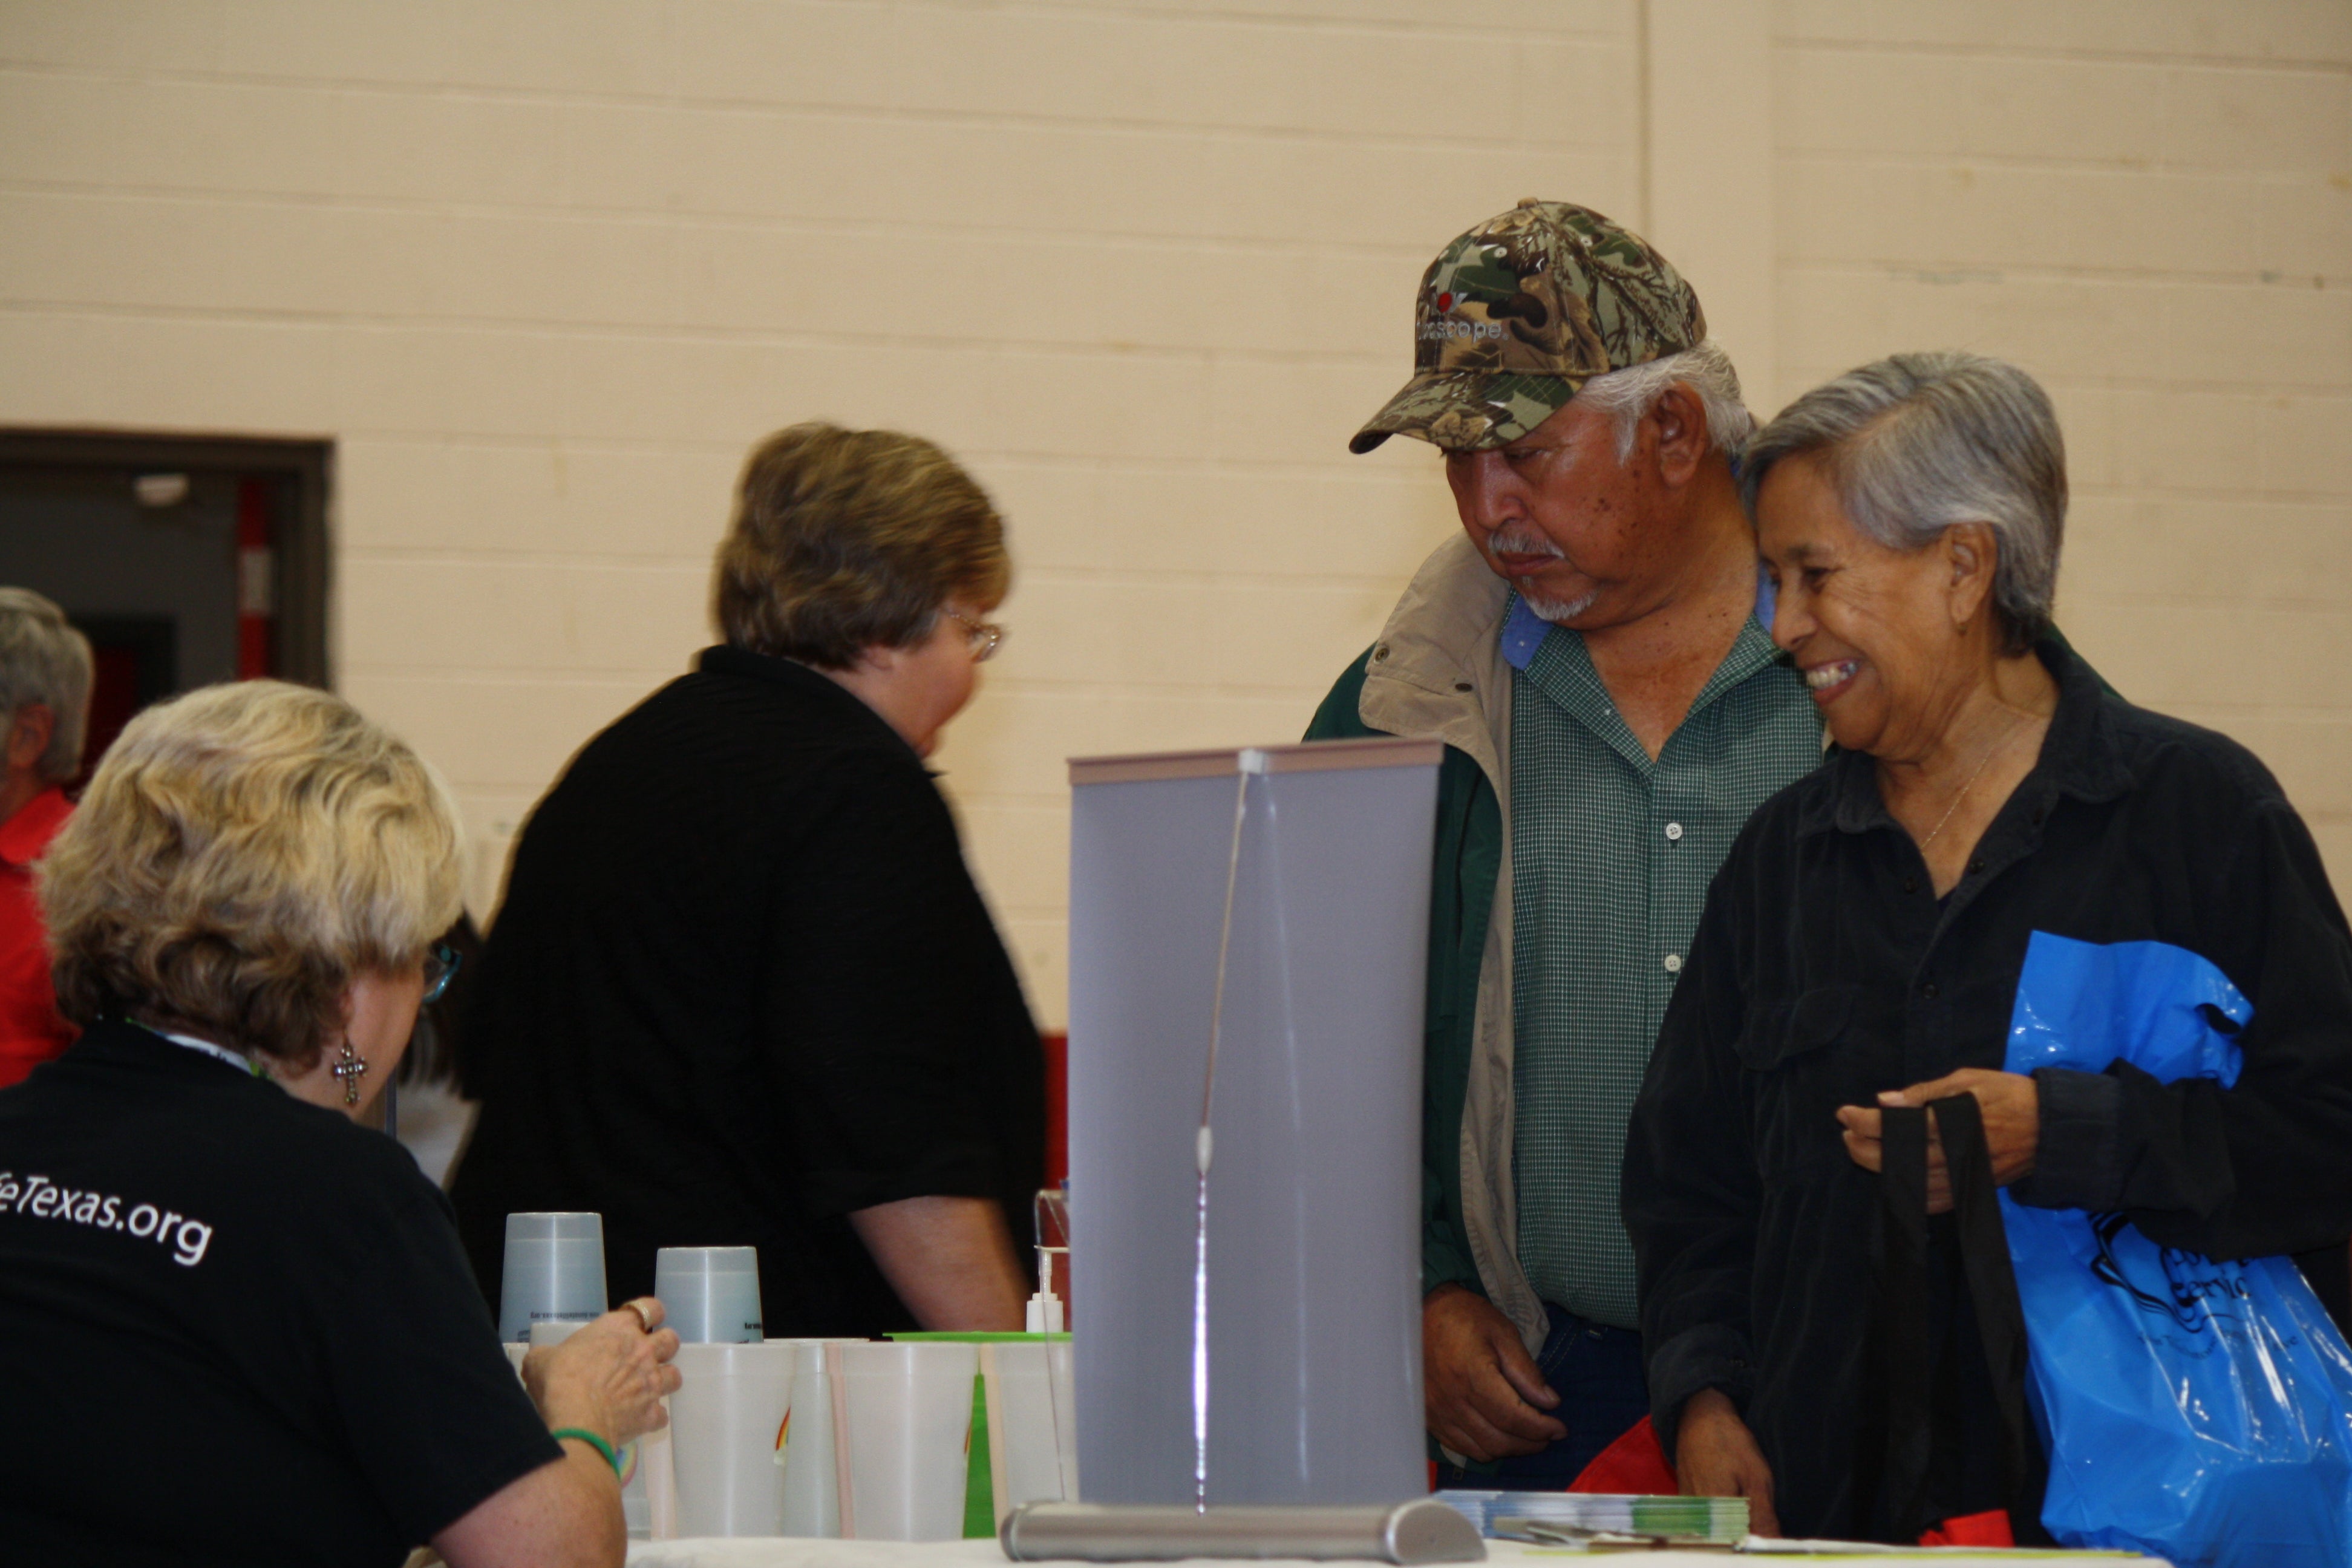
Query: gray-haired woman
[(45, 679), (1863, 945)]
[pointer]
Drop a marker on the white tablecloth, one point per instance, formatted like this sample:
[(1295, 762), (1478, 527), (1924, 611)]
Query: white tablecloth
[(787, 1552), (798, 1553)]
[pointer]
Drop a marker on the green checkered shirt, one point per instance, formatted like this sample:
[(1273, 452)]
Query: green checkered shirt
[(1611, 859)]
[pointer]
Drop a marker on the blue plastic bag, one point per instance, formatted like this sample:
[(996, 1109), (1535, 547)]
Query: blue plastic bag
[(2198, 1410)]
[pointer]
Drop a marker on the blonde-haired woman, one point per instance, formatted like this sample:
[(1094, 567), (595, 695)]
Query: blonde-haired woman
[(742, 990), (233, 1325)]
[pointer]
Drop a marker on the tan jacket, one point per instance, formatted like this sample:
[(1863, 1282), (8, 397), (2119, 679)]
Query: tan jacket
[(1437, 673)]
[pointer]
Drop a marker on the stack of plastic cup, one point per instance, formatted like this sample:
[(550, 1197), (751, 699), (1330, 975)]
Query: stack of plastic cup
[(726, 1425), (903, 1422), (811, 1498), (711, 1295), (1032, 1438), (554, 1272)]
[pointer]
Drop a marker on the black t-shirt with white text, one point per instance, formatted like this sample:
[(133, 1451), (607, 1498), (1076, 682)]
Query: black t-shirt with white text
[(234, 1327)]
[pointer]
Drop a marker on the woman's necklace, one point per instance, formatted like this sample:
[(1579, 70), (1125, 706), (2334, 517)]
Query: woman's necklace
[(1991, 752)]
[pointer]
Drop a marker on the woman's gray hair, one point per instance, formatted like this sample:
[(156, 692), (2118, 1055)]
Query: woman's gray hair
[(1707, 370), (1916, 443), (42, 659)]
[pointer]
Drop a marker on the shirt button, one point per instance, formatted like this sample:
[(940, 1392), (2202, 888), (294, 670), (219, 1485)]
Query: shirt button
[(1673, 832), (1975, 867), (1928, 990), (1674, 964), (1910, 884)]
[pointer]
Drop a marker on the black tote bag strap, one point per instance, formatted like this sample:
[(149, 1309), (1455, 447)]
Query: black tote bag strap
[(2000, 1318), (1903, 1441)]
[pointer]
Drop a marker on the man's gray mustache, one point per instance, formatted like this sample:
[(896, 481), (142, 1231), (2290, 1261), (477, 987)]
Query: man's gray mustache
[(1522, 542)]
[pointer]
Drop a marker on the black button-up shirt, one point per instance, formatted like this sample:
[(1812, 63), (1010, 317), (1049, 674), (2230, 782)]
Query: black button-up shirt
[(1826, 970)]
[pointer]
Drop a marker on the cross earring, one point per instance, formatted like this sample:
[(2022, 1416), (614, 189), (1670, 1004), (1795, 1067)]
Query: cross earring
[(348, 1070)]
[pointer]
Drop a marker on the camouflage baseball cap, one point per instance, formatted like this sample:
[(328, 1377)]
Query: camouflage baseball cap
[(1519, 313)]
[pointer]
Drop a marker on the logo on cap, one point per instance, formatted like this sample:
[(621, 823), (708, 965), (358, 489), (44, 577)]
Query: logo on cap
[(1513, 315)]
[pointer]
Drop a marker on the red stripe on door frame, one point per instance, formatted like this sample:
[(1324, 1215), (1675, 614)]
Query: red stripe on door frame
[(257, 582)]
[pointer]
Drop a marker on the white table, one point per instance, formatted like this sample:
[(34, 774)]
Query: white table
[(786, 1552)]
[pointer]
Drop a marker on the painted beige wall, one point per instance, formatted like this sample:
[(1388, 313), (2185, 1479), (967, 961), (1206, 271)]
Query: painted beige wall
[(542, 270), (2148, 204)]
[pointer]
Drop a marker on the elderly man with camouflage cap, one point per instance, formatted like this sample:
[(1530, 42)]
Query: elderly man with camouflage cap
[(1589, 650)]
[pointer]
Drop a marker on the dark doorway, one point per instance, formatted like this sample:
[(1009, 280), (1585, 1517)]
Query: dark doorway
[(185, 561)]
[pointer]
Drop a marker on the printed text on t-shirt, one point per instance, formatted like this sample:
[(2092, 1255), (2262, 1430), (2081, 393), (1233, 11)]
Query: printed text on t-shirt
[(44, 1199)]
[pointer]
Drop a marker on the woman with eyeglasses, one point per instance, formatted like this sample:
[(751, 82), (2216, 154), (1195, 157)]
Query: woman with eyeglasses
[(742, 990), (235, 1327)]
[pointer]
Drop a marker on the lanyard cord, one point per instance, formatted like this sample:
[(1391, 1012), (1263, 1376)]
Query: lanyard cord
[(220, 1053)]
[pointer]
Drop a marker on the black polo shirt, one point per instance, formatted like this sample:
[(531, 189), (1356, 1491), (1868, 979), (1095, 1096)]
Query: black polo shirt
[(1825, 970), (234, 1327), (742, 987)]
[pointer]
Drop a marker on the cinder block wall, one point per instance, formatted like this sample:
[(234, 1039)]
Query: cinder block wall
[(543, 269), (2148, 204)]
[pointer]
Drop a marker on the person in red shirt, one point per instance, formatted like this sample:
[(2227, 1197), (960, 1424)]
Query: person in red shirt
[(45, 681)]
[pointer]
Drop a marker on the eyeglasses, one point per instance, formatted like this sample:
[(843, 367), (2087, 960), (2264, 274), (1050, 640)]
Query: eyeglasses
[(440, 968), (982, 638)]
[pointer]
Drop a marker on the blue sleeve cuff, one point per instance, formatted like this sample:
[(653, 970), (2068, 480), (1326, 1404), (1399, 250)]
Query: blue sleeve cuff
[(2078, 1159), (1713, 1355)]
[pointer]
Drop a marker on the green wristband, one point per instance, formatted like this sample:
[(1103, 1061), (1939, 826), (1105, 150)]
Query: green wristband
[(594, 1441)]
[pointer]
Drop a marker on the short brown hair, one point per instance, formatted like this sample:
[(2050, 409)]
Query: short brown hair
[(843, 540), (241, 855)]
